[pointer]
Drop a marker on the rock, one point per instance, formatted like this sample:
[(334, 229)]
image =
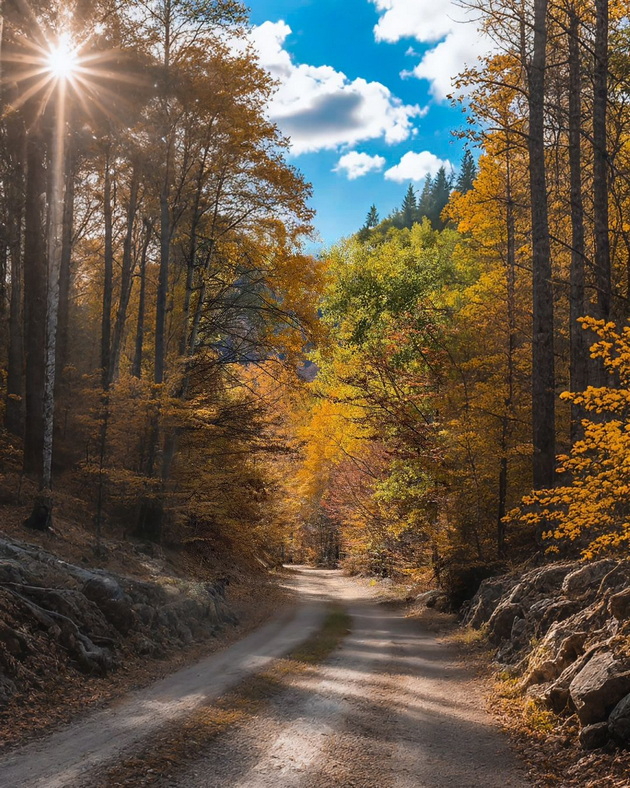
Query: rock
[(556, 697), (53, 612), (572, 632), (120, 614), (598, 687), (586, 578), (485, 601), (594, 736), (146, 614), (102, 588), (146, 593), (556, 612), (619, 605), (519, 630), (74, 605), (170, 618), (147, 647), (428, 598), (190, 618), (538, 609), (440, 603), (619, 722), (502, 620), (13, 641), (110, 598), (10, 572), (539, 582), (618, 579), (550, 661)]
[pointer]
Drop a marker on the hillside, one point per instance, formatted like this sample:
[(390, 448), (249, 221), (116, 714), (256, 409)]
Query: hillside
[(79, 629)]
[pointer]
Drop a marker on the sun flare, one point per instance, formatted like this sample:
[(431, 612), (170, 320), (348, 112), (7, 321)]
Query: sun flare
[(63, 59)]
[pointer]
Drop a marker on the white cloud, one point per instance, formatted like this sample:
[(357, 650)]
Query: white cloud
[(449, 27), (416, 167), (445, 61), (425, 20), (357, 164), (319, 107)]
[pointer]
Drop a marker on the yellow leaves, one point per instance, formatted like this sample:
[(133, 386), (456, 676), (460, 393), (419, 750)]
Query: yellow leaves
[(593, 509)]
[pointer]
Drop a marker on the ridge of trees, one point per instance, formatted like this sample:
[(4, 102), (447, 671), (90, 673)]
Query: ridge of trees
[(429, 203)]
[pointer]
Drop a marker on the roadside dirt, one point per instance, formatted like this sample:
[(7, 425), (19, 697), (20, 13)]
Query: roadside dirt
[(392, 707)]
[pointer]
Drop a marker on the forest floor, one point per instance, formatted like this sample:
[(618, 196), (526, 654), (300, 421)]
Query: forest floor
[(371, 700)]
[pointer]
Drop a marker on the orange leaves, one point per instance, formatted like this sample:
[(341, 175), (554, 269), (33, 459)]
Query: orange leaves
[(594, 508)]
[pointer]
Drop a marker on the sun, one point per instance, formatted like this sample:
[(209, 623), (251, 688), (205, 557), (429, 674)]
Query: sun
[(62, 60), (62, 65)]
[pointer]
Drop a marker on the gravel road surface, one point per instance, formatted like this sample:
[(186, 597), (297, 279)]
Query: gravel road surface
[(392, 708)]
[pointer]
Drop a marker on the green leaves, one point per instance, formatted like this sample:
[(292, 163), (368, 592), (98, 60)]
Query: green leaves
[(374, 293)]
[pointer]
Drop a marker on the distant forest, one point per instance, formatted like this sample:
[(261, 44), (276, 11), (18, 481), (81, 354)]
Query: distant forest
[(429, 203)]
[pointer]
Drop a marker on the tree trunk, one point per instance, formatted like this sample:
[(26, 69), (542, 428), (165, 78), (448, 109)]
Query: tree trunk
[(55, 232), (108, 284), (65, 269), (126, 280), (577, 303), (543, 363), (600, 162), (509, 382), (35, 282), (136, 369), (151, 514), (162, 292), (14, 410)]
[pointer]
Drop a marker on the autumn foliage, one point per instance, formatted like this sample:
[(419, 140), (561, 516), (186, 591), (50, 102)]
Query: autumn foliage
[(590, 507), (386, 404)]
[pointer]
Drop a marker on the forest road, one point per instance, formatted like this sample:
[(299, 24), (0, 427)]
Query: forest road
[(392, 707)]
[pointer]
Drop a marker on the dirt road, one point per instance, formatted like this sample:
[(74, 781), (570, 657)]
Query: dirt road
[(391, 708)]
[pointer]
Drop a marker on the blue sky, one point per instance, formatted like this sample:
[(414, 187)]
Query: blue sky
[(362, 95)]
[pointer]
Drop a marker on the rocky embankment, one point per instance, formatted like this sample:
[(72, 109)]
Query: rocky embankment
[(56, 616), (564, 631)]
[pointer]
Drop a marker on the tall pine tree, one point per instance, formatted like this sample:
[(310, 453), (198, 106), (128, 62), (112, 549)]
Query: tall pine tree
[(372, 219), (409, 209), (440, 192), (467, 173)]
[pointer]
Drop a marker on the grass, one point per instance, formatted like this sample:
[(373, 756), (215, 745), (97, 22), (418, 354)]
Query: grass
[(183, 741), (468, 636), (317, 648)]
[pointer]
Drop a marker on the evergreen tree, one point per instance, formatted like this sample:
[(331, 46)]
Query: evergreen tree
[(467, 173), (425, 201), (372, 219), (440, 192), (409, 208)]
